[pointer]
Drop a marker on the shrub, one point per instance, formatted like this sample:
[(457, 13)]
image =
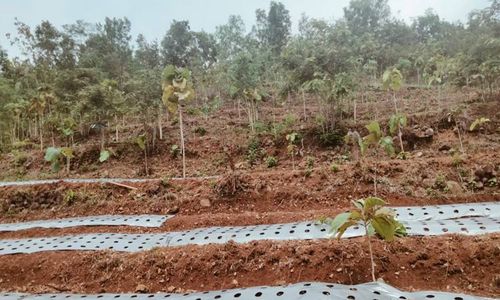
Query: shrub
[(271, 161)]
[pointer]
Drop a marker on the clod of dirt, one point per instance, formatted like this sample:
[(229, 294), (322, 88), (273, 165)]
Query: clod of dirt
[(444, 147), (173, 210), (484, 174), (141, 288), (454, 187), (205, 203)]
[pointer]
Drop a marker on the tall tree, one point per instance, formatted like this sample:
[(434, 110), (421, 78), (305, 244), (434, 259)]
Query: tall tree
[(273, 29)]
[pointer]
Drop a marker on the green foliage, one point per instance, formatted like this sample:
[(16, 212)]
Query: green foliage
[(200, 131), (372, 214), (310, 162), (396, 122), (254, 151), (392, 79), (104, 156), (175, 150), (141, 141), (271, 161), (54, 155), (334, 168), (177, 87), (478, 122), (331, 138), (70, 197), (376, 138)]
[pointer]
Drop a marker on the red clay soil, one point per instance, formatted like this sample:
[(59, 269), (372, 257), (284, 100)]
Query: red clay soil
[(281, 192), (447, 263)]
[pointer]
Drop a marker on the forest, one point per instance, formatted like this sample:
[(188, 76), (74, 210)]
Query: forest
[(69, 80)]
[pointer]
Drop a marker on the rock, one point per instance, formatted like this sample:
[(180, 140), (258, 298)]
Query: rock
[(454, 187), (427, 182), (485, 173), (235, 282), (141, 288), (419, 154), (420, 192), (173, 210), (205, 203), (171, 289), (444, 148), (429, 132)]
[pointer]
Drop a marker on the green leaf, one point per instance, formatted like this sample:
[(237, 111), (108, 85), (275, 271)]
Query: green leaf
[(55, 165), (387, 144), (371, 202), (67, 152), (338, 221), (478, 122), (104, 156), (141, 142), (384, 227), (52, 154), (374, 127)]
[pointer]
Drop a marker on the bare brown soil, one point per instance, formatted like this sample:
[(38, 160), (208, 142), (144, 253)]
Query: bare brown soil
[(448, 263)]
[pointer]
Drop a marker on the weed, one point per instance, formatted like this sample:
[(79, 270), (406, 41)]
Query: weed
[(271, 161), (175, 151), (20, 158), (254, 151), (457, 161), (440, 182), (201, 131), (70, 197), (334, 168), (309, 162)]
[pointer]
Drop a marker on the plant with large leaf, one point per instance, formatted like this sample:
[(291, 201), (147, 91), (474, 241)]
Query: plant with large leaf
[(177, 91), (54, 156), (293, 139), (377, 139), (375, 218)]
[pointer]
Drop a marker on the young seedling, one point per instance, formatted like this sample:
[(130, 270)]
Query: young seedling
[(141, 141), (54, 155), (478, 123), (396, 123), (292, 139), (177, 90), (376, 219), (104, 156)]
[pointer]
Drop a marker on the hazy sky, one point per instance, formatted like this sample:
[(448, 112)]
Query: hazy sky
[(153, 17)]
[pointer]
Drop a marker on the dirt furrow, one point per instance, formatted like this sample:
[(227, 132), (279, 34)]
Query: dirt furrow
[(448, 263)]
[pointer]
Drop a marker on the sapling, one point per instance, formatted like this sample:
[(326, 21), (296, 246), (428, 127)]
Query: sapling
[(104, 156), (396, 123), (177, 90), (375, 139), (375, 218), (292, 139), (141, 141), (54, 155)]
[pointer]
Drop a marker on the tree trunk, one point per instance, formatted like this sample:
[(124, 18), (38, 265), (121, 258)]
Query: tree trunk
[(40, 127), (183, 149), (304, 105), (160, 129)]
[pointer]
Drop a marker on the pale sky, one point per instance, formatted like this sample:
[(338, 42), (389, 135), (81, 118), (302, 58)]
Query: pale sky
[(153, 17)]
